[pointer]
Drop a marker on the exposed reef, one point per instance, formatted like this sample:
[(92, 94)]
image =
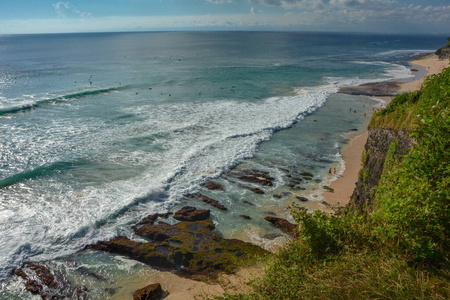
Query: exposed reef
[(189, 248), (41, 281), (378, 89)]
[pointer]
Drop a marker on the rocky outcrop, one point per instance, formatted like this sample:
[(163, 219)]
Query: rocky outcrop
[(211, 201), (213, 186), (188, 248), (41, 281), (377, 89), (253, 176), (190, 214), (283, 224), (374, 156), (150, 292), (444, 52), (152, 218)]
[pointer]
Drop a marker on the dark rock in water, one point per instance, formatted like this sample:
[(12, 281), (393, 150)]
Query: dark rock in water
[(256, 179), (303, 199), (21, 273), (281, 195), (283, 224), (254, 176), (371, 89), (80, 293), (211, 201), (34, 287), (152, 218), (307, 174), (271, 236), (354, 129), (150, 292), (257, 191), (86, 272), (298, 188), (111, 291), (40, 280), (296, 179), (44, 274), (248, 203), (191, 249), (245, 217), (191, 214), (213, 186)]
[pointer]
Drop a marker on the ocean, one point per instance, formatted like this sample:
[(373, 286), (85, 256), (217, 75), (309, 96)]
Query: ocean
[(99, 130)]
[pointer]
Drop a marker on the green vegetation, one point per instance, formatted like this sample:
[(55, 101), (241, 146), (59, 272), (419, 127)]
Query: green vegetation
[(400, 248), (329, 189), (364, 157)]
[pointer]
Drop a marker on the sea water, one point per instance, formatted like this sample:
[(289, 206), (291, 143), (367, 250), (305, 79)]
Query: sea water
[(99, 130)]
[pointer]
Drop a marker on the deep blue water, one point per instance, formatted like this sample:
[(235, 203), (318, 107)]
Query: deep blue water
[(99, 130)]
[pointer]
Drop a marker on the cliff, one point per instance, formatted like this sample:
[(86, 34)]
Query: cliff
[(444, 52), (376, 149)]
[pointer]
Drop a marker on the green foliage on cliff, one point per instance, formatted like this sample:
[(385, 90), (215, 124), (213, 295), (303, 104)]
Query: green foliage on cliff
[(400, 250)]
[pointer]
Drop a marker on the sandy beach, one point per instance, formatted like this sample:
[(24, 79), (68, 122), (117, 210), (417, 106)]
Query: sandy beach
[(344, 185)]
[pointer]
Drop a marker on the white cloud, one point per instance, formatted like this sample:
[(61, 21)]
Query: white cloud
[(339, 15), (63, 9)]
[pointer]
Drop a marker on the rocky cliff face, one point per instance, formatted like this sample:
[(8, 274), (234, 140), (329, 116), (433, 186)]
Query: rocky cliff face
[(444, 52), (374, 156)]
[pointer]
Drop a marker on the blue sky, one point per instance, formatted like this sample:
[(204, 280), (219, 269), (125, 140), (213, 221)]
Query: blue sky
[(384, 16)]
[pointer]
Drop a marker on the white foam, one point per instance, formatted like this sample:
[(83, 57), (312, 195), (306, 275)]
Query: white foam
[(409, 52), (191, 143), (393, 72)]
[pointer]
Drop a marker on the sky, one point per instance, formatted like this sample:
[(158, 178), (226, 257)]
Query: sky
[(377, 16)]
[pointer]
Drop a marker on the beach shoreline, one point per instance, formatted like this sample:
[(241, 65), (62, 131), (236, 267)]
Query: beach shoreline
[(344, 184)]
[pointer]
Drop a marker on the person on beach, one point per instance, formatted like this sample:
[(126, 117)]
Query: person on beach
[(329, 171)]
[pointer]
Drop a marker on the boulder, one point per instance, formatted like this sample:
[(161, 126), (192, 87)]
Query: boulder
[(150, 292), (213, 186), (211, 201), (283, 224), (44, 274), (303, 199), (253, 176), (152, 218), (191, 214), (257, 191)]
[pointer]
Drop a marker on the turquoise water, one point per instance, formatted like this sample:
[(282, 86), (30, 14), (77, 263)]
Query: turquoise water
[(99, 130)]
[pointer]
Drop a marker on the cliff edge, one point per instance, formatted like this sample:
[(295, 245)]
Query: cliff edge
[(444, 52)]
